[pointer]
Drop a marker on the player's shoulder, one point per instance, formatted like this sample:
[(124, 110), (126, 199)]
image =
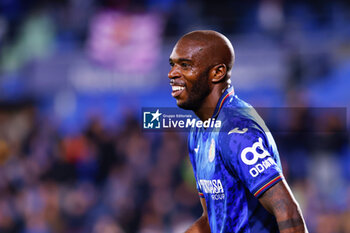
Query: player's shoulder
[(237, 124), (240, 119), (242, 129)]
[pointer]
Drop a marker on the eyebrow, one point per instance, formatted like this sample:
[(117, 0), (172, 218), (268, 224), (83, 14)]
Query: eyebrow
[(180, 60)]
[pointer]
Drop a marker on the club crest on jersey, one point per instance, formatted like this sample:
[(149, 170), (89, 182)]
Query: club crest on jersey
[(211, 156)]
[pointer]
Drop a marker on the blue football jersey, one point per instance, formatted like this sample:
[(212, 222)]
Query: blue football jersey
[(234, 165)]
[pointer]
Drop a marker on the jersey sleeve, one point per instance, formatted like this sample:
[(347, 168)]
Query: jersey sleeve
[(250, 155), (191, 152)]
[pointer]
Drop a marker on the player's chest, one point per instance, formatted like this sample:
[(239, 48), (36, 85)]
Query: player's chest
[(211, 177), (208, 161)]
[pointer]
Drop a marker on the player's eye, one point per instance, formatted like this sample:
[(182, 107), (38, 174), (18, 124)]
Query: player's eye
[(171, 63), (185, 65)]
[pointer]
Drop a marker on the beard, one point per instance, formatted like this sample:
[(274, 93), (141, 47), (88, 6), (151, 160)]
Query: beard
[(198, 92)]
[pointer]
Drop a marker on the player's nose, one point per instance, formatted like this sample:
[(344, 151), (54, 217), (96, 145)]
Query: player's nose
[(174, 73)]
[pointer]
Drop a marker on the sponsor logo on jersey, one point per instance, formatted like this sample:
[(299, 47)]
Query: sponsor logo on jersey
[(237, 130), (256, 152), (213, 187), (262, 153), (196, 149), (211, 156), (260, 167)]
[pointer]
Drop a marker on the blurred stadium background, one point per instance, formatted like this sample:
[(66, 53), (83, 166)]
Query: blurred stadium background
[(74, 75)]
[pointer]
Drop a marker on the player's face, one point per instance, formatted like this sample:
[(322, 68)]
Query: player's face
[(189, 74)]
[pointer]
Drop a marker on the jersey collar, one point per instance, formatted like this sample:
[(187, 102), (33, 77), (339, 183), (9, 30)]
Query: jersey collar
[(228, 92)]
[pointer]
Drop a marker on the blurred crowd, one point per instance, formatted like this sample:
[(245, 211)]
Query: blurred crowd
[(101, 178), (123, 179)]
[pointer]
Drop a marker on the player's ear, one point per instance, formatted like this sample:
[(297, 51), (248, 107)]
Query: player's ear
[(218, 73)]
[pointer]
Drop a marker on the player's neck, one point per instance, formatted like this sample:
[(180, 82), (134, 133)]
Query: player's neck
[(207, 108)]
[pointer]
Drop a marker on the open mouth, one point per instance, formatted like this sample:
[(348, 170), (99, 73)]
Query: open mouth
[(177, 90), (177, 87)]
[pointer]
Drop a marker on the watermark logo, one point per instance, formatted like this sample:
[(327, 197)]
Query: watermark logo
[(151, 120), (278, 120), (174, 118)]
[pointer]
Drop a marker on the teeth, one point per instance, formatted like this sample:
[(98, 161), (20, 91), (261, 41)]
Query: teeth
[(177, 88)]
